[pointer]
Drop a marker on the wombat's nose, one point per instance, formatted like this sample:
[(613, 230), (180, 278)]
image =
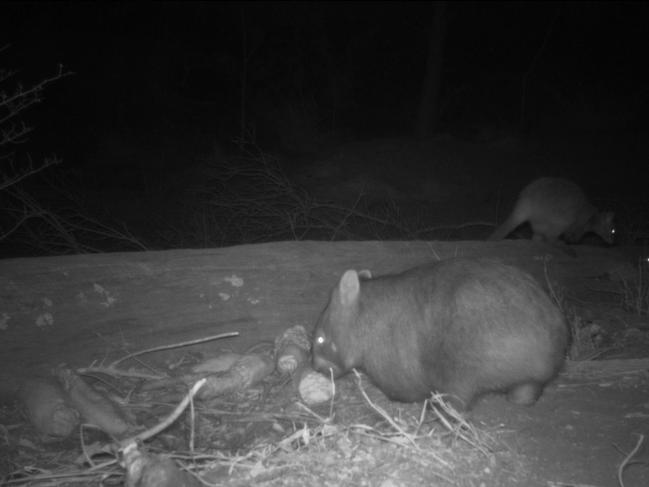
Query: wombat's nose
[(324, 366)]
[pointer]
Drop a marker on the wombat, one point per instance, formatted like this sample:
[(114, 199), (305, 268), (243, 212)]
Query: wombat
[(555, 208), (462, 327)]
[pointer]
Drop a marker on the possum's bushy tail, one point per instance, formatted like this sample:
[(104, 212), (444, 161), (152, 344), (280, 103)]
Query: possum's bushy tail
[(506, 227), (519, 215)]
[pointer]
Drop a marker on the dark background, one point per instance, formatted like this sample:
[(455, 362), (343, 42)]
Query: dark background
[(157, 93)]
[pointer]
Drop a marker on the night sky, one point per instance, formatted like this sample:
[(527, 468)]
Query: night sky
[(160, 84)]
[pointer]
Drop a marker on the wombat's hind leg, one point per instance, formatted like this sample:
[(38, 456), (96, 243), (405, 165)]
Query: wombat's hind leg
[(525, 394)]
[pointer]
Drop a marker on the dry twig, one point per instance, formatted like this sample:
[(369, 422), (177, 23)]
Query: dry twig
[(627, 459)]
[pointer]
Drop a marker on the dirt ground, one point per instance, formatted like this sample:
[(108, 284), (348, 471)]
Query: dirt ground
[(96, 307)]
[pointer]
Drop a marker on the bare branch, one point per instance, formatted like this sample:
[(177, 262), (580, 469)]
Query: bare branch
[(35, 90), (6, 181)]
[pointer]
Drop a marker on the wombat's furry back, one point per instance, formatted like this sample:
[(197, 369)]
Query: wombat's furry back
[(460, 326)]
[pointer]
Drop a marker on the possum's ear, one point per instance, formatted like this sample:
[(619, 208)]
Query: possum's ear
[(349, 287), (365, 274)]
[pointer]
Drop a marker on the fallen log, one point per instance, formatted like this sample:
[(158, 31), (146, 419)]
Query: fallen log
[(84, 308)]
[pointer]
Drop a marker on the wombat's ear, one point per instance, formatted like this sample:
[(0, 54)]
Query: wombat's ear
[(349, 287)]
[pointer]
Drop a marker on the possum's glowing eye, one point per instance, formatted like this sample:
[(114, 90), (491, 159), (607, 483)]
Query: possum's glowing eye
[(320, 340)]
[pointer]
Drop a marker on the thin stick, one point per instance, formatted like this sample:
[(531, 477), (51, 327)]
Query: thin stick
[(625, 462), (176, 345), (168, 420), (192, 415)]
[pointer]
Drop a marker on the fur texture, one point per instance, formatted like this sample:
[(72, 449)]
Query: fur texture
[(462, 327), (556, 208)]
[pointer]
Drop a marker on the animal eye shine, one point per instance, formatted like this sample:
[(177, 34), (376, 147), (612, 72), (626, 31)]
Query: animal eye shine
[(320, 340)]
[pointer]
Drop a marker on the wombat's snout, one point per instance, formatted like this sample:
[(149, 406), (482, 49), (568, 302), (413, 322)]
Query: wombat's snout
[(323, 366)]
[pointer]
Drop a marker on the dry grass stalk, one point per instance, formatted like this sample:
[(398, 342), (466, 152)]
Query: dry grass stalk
[(410, 439), (635, 293), (456, 424), (584, 343)]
